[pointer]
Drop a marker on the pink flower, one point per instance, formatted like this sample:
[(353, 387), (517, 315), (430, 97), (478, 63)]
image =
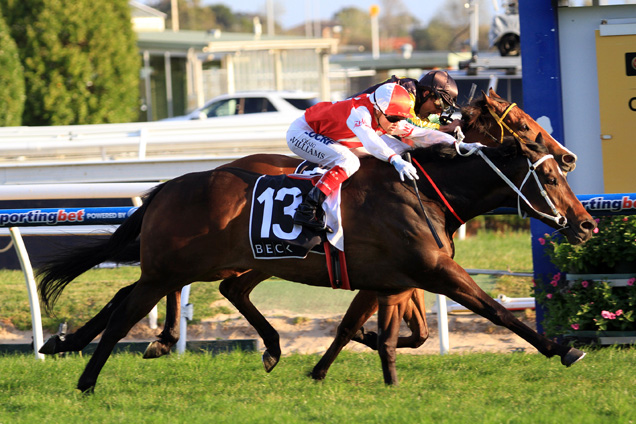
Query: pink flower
[(608, 315), (595, 231), (631, 281), (597, 220), (619, 312), (575, 326), (541, 241), (549, 295), (554, 282), (557, 276), (585, 283), (624, 219)]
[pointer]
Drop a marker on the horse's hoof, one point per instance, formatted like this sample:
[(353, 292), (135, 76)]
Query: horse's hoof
[(50, 347), (269, 361), (359, 336), (573, 356), (318, 375), (155, 350), (87, 389)]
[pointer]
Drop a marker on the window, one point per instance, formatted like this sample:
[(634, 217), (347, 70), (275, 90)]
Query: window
[(302, 104), (228, 107)]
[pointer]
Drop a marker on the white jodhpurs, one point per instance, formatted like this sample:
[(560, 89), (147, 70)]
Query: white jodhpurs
[(303, 141)]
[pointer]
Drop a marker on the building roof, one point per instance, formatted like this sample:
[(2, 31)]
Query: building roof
[(387, 61), (216, 41)]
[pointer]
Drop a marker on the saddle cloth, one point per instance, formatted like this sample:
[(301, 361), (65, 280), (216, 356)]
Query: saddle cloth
[(273, 234)]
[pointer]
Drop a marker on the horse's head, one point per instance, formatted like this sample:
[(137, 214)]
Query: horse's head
[(488, 119), (549, 195)]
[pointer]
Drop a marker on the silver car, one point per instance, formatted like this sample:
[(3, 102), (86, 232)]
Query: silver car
[(270, 104)]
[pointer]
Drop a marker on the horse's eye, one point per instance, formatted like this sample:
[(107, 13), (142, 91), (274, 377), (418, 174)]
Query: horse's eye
[(551, 181), (524, 127)]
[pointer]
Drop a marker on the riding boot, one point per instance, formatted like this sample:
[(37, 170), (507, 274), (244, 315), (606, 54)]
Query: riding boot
[(309, 213)]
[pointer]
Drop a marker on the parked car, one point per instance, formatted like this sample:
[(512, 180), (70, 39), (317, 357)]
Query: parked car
[(270, 104)]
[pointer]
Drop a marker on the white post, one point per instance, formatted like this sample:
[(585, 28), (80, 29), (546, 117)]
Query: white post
[(461, 232), (143, 142), (442, 324), (36, 317), (186, 314)]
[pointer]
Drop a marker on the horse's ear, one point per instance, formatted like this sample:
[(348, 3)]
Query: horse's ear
[(489, 101), (492, 94), (539, 139)]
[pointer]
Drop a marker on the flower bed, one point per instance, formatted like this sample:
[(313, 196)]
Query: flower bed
[(601, 302)]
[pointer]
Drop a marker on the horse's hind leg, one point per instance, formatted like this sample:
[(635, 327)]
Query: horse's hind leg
[(237, 290), (170, 334), (78, 340), (363, 306), (131, 310)]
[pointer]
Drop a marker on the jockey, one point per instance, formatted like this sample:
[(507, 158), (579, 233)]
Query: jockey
[(434, 93), (328, 131)]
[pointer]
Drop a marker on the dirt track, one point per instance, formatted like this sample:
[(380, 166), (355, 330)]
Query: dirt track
[(313, 334)]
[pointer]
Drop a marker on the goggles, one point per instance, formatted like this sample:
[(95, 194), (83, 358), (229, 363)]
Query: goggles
[(393, 118)]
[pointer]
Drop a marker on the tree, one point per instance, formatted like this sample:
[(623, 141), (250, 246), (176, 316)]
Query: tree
[(395, 19), (80, 59), (11, 80), (355, 24)]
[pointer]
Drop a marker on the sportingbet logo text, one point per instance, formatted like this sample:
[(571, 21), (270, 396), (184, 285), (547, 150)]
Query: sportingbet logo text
[(33, 217), (600, 203)]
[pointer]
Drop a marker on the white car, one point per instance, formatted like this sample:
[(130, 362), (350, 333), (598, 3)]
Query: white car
[(267, 104)]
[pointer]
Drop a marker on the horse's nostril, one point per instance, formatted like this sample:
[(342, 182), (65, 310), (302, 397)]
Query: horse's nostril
[(588, 225), (569, 158)]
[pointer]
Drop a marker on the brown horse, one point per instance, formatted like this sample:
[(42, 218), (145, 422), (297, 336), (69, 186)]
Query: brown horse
[(207, 240), (485, 121)]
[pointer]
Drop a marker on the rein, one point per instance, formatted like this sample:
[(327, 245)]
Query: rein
[(439, 193), (502, 124), (532, 167)]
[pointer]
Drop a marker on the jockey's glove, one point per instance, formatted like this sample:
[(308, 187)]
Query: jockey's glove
[(404, 168)]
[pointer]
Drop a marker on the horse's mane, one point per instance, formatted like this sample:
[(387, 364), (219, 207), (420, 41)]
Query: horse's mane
[(476, 116)]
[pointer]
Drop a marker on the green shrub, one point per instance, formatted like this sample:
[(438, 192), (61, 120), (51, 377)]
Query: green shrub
[(11, 80), (81, 63)]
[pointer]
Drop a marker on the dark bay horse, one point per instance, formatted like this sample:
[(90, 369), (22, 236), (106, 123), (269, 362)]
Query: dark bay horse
[(486, 121), (193, 228)]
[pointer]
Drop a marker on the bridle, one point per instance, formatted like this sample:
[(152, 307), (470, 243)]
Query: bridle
[(559, 219), (502, 124)]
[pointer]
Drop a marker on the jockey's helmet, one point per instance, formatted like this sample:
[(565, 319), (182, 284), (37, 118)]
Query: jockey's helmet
[(442, 84), (393, 100)]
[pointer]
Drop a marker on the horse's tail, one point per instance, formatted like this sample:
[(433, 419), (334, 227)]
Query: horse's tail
[(122, 246)]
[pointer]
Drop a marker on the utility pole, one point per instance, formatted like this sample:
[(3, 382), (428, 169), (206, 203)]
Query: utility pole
[(374, 11), (174, 11), (270, 17), (473, 12)]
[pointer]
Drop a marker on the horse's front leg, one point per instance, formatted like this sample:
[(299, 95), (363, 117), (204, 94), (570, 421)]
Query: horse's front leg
[(363, 306), (170, 334), (78, 340), (237, 290), (455, 283), (415, 318), (390, 316)]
